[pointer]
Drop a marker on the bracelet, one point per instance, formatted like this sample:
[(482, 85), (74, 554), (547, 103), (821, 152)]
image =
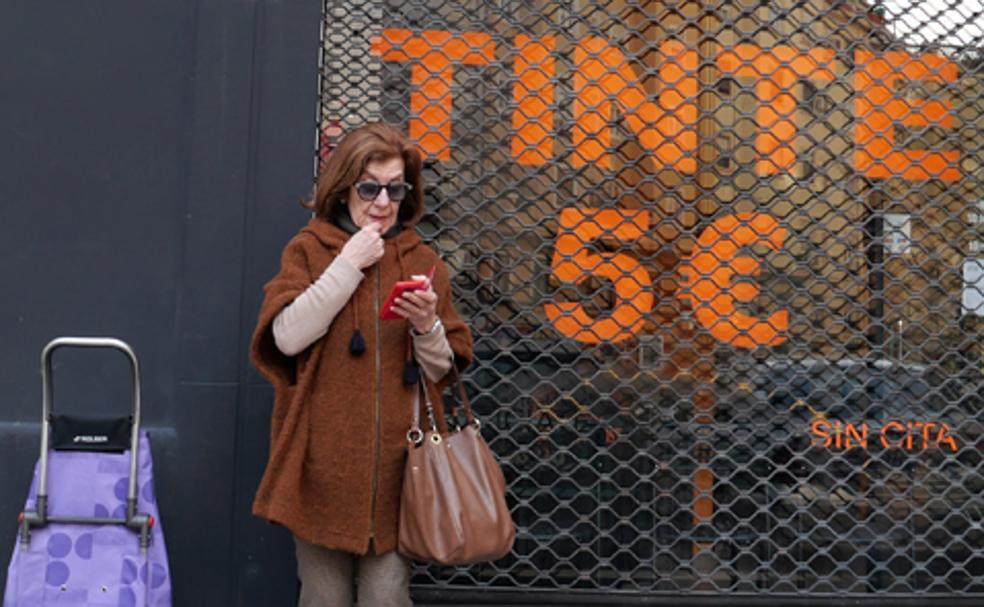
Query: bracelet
[(437, 325)]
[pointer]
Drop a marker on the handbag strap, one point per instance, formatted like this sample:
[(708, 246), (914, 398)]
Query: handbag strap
[(463, 398), (416, 434)]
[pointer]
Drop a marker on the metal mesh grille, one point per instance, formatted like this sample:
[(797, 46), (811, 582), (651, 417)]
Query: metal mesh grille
[(723, 264)]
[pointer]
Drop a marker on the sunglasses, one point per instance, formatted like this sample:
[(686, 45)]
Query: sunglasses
[(369, 190)]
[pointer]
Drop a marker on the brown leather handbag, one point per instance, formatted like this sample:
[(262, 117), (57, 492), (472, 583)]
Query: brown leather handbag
[(453, 509)]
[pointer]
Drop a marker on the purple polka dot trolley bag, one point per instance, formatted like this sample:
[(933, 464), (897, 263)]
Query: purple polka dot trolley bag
[(90, 533)]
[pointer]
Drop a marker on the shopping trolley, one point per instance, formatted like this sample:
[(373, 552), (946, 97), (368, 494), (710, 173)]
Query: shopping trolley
[(90, 533)]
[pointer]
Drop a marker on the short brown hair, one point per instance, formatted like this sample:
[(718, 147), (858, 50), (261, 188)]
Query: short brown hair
[(376, 141)]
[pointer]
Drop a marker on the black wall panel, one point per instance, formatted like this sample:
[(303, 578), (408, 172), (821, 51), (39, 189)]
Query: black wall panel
[(153, 155)]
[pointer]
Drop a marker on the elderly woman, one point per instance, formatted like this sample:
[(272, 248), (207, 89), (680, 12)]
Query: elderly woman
[(343, 378)]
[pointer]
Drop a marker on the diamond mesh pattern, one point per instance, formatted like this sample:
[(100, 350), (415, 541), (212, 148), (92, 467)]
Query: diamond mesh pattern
[(722, 262)]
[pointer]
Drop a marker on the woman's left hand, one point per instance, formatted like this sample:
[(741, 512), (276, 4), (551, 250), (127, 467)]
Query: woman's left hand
[(419, 307)]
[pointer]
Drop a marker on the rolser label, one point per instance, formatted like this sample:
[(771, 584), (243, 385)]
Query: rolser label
[(90, 439)]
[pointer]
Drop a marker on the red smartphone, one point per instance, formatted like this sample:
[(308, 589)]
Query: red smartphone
[(399, 289)]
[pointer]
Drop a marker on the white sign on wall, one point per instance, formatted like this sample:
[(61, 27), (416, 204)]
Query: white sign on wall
[(973, 292), (898, 233), (973, 269), (975, 218)]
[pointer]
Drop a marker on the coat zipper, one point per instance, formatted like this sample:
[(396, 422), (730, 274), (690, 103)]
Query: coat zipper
[(378, 406)]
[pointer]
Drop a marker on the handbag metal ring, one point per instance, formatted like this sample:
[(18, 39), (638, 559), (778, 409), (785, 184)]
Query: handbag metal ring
[(415, 436), (436, 438)]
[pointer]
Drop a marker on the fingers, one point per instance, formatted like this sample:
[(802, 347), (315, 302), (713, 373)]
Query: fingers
[(373, 242), (424, 301), (417, 305), (377, 248), (365, 248), (427, 281), (370, 234)]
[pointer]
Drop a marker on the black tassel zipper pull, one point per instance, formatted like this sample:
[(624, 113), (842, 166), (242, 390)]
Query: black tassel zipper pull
[(411, 373), (357, 345)]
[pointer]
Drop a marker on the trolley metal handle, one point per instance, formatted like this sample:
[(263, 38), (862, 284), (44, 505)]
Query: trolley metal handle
[(47, 408)]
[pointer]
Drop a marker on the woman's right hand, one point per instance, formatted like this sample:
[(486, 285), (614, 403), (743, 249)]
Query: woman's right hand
[(365, 247)]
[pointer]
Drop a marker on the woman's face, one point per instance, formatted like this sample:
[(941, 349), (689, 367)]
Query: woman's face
[(381, 210)]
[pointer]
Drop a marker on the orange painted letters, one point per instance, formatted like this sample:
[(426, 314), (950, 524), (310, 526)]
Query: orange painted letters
[(712, 271), (912, 435), (665, 123), (573, 263), (433, 53), (602, 75), (776, 71), (879, 107), (533, 94)]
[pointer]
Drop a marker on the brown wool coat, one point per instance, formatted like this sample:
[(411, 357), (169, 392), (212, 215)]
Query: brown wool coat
[(327, 447)]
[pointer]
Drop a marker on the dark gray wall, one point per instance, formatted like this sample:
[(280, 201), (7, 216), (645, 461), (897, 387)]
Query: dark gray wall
[(152, 157)]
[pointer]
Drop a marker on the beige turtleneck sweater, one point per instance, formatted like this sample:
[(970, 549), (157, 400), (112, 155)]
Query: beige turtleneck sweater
[(308, 317)]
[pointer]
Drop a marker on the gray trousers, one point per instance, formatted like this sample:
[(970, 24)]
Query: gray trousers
[(327, 576)]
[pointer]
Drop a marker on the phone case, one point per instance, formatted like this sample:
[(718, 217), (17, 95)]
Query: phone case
[(399, 289)]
